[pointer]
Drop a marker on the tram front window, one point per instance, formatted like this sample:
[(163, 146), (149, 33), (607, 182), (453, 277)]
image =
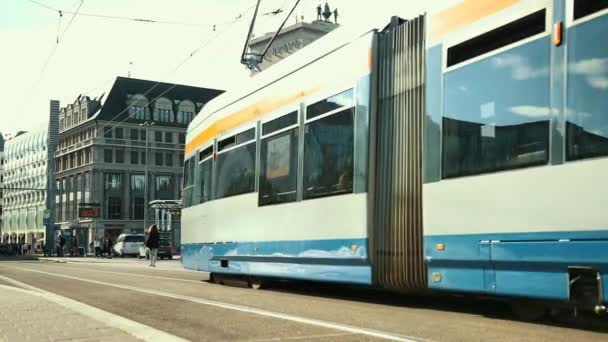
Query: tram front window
[(328, 155)]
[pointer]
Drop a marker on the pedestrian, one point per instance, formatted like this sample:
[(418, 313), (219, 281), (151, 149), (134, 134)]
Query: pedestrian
[(153, 243), (97, 246), (110, 245)]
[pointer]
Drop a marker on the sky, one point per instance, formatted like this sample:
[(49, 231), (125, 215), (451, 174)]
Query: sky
[(92, 51)]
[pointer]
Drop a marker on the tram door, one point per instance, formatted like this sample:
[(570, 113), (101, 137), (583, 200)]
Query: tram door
[(397, 236)]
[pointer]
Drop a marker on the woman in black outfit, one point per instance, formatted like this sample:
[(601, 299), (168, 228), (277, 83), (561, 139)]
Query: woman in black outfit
[(153, 243)]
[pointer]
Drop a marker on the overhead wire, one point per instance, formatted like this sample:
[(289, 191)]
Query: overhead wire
[(177, 67), (115, 17)]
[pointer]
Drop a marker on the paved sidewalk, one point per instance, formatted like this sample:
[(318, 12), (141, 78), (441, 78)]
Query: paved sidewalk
[(28, 316)]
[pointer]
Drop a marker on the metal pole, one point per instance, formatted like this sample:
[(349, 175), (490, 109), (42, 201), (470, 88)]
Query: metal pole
[(146, 179)]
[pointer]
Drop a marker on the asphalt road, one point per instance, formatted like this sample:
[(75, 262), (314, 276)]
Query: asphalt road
[(182, 303)]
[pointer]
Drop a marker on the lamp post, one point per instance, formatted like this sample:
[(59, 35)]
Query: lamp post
[(147, 125)]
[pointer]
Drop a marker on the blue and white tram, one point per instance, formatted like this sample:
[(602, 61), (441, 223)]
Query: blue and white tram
[(463, 150)]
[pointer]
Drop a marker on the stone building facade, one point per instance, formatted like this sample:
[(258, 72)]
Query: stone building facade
[(291, 39), (1, 182), (105, 150), (25, 176)]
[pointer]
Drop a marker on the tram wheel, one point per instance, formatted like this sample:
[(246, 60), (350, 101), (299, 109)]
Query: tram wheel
[(256, 284)]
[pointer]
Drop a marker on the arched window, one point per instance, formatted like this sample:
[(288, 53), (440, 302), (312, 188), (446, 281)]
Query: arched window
[(163, 110), (138, 107), (185, 112)]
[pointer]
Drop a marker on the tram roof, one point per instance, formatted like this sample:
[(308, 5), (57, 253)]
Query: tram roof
[(330, 42)]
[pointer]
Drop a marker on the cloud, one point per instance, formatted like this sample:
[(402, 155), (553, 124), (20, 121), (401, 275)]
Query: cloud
[(520, 67), (533, 111), (595, 70)]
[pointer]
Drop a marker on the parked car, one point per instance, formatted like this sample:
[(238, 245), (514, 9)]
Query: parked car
[(165, 250), (128, 244)]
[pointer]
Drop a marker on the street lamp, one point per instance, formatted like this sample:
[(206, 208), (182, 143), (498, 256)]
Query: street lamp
[(147, 125)]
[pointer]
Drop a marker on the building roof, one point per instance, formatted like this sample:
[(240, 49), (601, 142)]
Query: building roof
[(116, 101)]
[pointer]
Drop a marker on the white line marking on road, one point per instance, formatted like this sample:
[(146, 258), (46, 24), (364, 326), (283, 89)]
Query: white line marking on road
[(133, 328), (305, 337), (260, 312), (149, 276)]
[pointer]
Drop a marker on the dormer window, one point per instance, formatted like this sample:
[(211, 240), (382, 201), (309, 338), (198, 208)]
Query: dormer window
[(137, 112), (163, 110), (185, 112), (137, 107)]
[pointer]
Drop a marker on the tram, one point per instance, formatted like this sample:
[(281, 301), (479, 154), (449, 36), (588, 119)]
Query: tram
[(463, 150)]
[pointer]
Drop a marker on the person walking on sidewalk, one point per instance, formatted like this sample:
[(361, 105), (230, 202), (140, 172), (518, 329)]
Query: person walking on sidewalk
[(153, 243)]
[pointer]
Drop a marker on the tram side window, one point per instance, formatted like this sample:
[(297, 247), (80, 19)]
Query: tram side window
[(328, 155), (279, 161), (236, 165), (587, 91), (188, 182), (501, 121), (583, 8), (206, 170)]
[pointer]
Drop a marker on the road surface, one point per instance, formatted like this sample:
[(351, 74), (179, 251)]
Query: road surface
[(183, 304)]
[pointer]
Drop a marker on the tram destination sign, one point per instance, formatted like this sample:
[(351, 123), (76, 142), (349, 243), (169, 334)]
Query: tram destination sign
[(89, 212)]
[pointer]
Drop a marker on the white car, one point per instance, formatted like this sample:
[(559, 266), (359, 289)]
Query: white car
[(128, 244)]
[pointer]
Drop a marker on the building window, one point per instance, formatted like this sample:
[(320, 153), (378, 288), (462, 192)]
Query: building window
[(134, 134), (142, 135), (113, 182), (182, 138), (279, 160), (488, 128), (137, 209), (120, 156), (185, 112), (107, 156), (159, 159), (158, 136), (138, 183), (169, 159), (114, 208), (143, 158), (169, 137), (134, 157), (164, 187), (328, 155), (107, 132), (118, 133), (137, 112), (236, 165)]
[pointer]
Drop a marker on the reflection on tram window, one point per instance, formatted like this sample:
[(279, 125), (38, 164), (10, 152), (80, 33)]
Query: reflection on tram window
[(188, 182), (279, 168), (328, 155), (587, 99), (343, 99), (500, 122), (205, 184), (236, 171)]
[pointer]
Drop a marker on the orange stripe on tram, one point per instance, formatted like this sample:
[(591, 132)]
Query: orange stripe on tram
[(244, 116), (465, 13)]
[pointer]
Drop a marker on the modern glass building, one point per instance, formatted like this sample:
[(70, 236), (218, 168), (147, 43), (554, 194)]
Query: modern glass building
[(25, 177)]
